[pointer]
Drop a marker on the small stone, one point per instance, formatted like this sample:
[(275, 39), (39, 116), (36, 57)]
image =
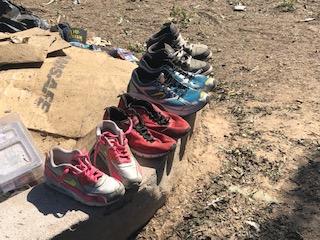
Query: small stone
[(263, 196), (255, 225), (239, 7)]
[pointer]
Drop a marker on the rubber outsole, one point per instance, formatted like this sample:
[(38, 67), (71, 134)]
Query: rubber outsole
[(206, 73), (58, 188), (204, 58), (149, 156)]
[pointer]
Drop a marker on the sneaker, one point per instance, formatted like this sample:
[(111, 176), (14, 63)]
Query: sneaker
[(164, 60), (166, 91), (170, 34), (14, 18), (155, 117), (112, 144), (72, 173), (181, 59), (143, 142)]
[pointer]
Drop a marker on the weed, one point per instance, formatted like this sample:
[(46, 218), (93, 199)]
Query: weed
[(180, 15), (287, 6), (136, 47)]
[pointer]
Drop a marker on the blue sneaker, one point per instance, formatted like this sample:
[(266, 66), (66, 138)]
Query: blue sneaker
[(161, 61), (161, 89)]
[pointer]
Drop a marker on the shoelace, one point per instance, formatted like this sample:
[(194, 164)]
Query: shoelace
[(165, 89), (83, 169), (177, 88), (186, 74), (118, 144), (153, 114), (159, 118), (181, 43), (181, 57), (140, 127)]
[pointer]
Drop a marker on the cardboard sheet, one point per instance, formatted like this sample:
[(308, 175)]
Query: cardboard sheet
[(30, 46), (67, 95)]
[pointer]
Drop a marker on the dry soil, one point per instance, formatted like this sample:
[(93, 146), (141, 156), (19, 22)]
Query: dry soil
[(256, 166)]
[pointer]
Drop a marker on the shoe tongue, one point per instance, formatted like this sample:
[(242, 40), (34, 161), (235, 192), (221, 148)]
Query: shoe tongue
[(169, 50), (174, 29), (142, 106), (117, 136), (124, 124), (78, 163), (135, 120), (174, 32), (109, 127), (161, 78), (109, 130)]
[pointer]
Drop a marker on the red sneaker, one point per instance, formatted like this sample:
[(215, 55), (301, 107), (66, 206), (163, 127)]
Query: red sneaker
[(143, 142), (156, 118)]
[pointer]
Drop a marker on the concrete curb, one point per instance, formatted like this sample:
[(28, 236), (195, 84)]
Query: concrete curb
[(42, 213)]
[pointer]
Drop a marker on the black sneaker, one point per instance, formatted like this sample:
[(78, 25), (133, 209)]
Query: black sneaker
[(170, 34), (180, 58), (163, 62), (14, 18)]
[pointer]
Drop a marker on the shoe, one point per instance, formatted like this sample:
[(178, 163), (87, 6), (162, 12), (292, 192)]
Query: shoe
[(143, 142), (170, 34), (112, 144), (172, 95), (14, 18), (181, 59), (155, 117), (72, 173), (164, 60)]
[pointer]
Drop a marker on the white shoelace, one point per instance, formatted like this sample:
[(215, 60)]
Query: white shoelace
[(182, 56)]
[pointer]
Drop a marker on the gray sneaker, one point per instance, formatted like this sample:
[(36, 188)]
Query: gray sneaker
[(170, 34), (181, 59)]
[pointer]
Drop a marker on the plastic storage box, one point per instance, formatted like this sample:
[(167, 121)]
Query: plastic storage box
[(20, 161)]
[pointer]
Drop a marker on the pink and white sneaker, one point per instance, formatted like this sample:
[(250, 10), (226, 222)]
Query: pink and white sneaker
[(72, 173), (112, 145)]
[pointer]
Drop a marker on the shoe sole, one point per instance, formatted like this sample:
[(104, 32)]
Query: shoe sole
[(206, 58), (206, 73), (147, 155), (73, 195), (209, 56), (175, 136), (190, 110)]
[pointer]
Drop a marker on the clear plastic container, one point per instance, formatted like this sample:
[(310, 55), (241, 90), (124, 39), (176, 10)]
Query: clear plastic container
[(20, 161)]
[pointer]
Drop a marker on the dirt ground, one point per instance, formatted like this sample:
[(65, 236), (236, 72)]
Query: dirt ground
[(256, 166)]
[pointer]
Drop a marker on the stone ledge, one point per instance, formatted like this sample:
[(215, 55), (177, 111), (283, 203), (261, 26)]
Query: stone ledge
[(42, 213)]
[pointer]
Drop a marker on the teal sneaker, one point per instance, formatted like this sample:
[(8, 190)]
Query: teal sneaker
[(163, 89)]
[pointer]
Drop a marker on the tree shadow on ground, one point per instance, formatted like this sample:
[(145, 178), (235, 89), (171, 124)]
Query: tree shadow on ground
[(300, 216)]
